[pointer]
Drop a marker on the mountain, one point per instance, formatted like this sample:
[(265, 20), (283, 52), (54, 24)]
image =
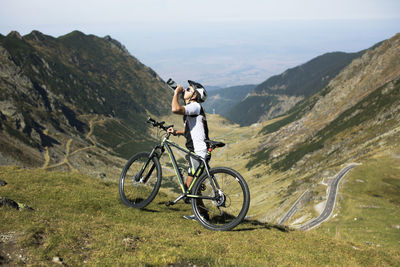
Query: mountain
[(55, 114), (355, 118), (211, 87), (279, 93), (77, 93), (220, 101)]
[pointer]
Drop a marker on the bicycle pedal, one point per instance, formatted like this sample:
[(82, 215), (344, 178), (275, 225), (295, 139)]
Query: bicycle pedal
[(169, 203)]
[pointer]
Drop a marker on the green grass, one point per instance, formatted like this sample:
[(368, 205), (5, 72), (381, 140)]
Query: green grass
[(369, 209), (82, 220)]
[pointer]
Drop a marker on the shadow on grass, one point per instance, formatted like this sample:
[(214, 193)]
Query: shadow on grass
[(250, 225), (149, 210), (176, 207)]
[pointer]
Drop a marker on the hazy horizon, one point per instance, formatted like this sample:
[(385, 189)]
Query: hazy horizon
[(219, 43)]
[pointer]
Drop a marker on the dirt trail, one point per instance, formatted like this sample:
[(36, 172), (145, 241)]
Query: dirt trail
[(93, 121), (46, 154)]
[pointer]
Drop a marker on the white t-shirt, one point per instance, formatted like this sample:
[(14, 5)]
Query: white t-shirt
[(196, 127)]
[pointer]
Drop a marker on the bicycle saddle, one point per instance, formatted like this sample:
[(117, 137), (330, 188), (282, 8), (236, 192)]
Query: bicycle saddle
[(214, 144)]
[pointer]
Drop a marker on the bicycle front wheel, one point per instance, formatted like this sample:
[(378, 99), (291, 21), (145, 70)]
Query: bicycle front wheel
[(229, 203), (140, 180)]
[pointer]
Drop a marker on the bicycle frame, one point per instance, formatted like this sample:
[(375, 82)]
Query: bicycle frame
[(166, 144)]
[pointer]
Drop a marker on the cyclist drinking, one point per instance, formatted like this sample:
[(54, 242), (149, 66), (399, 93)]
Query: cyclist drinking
[(195, 123)]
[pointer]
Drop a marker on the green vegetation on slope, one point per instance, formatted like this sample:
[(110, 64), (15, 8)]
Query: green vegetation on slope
[(296, 112), (378, 102), (82, 220), (377, 105), (124, 141)]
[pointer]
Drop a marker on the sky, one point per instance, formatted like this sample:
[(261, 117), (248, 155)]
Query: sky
[(215, 42)]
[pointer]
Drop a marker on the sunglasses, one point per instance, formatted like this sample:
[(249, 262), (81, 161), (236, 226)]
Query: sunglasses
[(187, 89)]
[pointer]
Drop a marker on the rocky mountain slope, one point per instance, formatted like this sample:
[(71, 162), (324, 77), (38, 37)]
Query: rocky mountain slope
[(280, 93), (353, 119), (75, 93)]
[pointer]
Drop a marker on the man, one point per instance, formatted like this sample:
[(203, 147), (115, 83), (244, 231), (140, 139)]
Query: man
[(196, 130)]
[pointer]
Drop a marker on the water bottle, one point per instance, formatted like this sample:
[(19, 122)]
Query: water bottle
[(172, 84)]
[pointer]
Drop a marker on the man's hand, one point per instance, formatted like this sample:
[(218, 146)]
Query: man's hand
[(174, 132), (171, 131), (179, 89), (175, 106)]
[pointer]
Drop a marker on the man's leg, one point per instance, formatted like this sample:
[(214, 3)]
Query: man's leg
[(193, 166), (189, 180), (200, 203)]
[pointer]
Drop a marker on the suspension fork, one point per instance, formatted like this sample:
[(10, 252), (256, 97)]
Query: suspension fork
[(152, 154)]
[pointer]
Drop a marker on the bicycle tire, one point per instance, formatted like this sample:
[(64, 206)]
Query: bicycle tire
[(231, 207), (135, 192)]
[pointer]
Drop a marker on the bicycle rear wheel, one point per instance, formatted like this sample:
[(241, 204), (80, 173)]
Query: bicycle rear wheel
[(231, 203), (138, 190)]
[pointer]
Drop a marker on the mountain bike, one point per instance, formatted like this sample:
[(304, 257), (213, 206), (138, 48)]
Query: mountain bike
[(219, 196)]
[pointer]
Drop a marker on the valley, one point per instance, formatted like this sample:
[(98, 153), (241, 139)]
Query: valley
[(74, 109)]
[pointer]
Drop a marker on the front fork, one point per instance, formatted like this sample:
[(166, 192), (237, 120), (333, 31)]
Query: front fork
[(139, 176)]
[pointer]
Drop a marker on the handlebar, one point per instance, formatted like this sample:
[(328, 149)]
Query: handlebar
[(158, 124)]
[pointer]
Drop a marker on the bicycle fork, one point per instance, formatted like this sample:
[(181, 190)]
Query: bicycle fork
[(139, 176)]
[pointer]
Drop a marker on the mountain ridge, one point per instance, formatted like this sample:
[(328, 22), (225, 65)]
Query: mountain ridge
[(279, 93), (50, 85)]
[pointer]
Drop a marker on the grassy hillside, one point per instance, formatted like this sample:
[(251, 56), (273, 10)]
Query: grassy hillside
[(369, 204), (81, 220)]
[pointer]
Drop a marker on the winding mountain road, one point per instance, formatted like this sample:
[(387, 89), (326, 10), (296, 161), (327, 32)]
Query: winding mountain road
[(331, 200), (292, 210)]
